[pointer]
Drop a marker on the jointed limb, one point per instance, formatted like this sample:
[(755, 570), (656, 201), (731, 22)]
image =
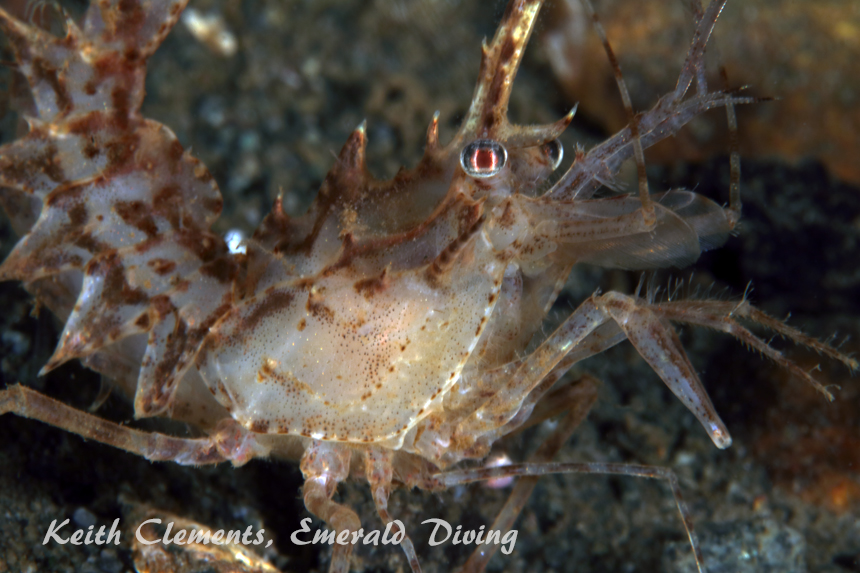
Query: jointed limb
[(578, 400), (604, 320), (724, 315), (230, 442), (379, 473), (324, 465), (453, 478), (507, 401), (653, 338)]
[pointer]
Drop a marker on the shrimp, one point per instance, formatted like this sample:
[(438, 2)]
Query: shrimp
[(393, 332)]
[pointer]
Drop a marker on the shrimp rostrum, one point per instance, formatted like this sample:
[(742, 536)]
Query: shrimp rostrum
[(383, 333)]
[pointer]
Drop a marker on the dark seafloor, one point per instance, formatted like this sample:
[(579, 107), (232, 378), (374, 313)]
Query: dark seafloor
[(783, 498)]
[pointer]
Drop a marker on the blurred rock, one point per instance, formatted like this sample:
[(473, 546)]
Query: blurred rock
[(803, 53)]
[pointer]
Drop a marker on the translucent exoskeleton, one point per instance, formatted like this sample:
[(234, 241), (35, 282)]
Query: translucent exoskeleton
[(383, 333)]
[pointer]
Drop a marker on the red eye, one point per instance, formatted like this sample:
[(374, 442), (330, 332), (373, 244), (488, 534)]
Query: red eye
[(554, 152), (483, 158)]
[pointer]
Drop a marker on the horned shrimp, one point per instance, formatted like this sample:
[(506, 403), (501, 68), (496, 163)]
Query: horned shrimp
[(382, 334)]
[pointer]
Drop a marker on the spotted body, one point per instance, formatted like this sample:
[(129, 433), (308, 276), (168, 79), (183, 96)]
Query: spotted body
[(386, 328)]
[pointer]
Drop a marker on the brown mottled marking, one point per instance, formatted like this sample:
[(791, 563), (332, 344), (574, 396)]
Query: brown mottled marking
[(44, 161), (120, 153), (378, 246), (175, 152), (202, 174), (223, 269), (120, 97), (168, 203), (373, 286), (142, 321), (85, 126), (302, 324), (78, 214), (45, 72), (508, 218), (445, 259), (117, 291), (169, 365), (259, 426), (162, 266), (197, 334), (348, 241), (137, 214), (481, 325), (498, 91), (162, 306), (266, 371), (275, 224), (318, 309), (270, 304), (87, 242), (213, 204), (129, 22), (204, 245), (91, 148)]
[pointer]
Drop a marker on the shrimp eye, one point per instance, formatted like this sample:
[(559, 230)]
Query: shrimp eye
[(483, 158), (554, 152)]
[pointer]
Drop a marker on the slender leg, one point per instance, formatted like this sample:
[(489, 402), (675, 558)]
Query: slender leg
[(695, 6), (105, 389), (454, 478), (324, 465), (735, 204), (507, 401), (658, 343), (534, 408), (654, 338), (513, 395), (603, 320), (648, 215), (601, 339), (724, 315), (379, 474), (230, 442), (578, 399), (566, 398), (693, 66)]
